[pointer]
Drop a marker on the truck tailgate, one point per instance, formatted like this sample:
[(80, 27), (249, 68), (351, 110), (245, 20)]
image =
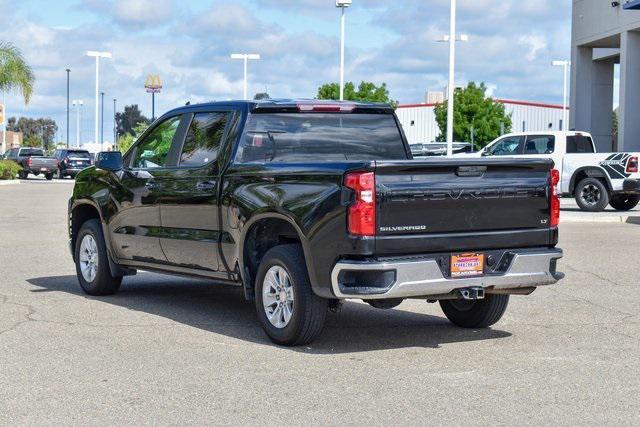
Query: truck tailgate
[(459, 196), (48, 163)]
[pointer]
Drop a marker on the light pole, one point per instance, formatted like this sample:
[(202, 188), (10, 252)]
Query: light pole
[(101, 121), (68, 71), (342, 4), (97, 55), (115, 134), (77, 103), (566, 65), (246, 57)]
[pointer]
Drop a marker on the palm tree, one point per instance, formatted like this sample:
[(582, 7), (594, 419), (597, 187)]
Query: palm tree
[(15, 73)]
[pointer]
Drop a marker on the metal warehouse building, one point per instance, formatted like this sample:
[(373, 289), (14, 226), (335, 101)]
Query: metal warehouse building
[(419, 120)]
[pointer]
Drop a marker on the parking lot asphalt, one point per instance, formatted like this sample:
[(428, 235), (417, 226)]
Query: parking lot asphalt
[(169, 350)]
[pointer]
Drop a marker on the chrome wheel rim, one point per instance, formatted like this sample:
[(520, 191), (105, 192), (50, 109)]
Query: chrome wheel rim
[(278, 296), (88, 258), (590, 194)]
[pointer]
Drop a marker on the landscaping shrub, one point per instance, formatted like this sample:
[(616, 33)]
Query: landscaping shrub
[(9, 169)]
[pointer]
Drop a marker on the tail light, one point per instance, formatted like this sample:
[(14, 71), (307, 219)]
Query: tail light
[(362, 213), (325, 107), (29, 161), (632, 165), (555, 200)]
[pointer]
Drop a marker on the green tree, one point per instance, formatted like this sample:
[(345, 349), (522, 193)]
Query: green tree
[(128, 119), (472, 108), (15, 73), (367, 92), (128, 139), (32, 141), (42, 128)]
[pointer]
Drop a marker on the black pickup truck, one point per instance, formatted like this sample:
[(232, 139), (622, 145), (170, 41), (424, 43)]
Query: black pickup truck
[(306, 203)]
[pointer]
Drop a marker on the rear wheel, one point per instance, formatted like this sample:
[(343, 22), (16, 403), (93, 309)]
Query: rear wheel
[(591, 195), (290, 313), (475, 314), (92, 264), (23, 174), (48, 176), (624, 202)]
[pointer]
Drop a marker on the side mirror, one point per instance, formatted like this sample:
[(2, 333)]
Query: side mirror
[(485, 153), (109, 160)]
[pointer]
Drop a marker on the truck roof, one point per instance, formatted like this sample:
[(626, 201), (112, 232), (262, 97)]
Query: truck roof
[(289, 105), (557, 133)]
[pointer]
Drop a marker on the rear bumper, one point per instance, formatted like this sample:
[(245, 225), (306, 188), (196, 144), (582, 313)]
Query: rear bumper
[(631, 186), (424, 277)]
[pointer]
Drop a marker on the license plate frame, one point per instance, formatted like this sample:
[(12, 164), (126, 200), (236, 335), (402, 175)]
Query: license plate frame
[(465, 265)]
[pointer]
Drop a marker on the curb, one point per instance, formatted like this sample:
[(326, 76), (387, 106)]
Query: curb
[(9, 182), (610, 219)]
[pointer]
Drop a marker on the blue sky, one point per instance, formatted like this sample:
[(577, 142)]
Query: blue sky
[(188, 42)]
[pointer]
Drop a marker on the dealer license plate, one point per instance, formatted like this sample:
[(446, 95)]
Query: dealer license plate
[(465, 265)]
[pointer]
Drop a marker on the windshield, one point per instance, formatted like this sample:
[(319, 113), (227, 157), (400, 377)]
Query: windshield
[(79, 154), (31, 152), (320, 137)]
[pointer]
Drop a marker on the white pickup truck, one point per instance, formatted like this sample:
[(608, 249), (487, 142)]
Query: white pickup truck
[(594, 179)]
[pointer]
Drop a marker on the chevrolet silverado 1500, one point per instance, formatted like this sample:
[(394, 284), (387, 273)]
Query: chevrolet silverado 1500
[(307, 203)]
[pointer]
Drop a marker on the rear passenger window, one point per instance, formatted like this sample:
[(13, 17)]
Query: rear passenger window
[(544, 144), (203, 139), (579, 144)]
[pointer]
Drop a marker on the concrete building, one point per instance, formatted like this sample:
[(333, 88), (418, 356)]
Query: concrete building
[(13, 140), (419, 120), (605, 33)]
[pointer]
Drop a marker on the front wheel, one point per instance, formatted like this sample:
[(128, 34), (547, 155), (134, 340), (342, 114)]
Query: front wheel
[(92, 263), (49, 176), (624, 202), (591, 195), (290, 313), (477, 313)]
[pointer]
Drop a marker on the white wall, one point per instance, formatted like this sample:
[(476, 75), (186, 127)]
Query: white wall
[(419, 121)]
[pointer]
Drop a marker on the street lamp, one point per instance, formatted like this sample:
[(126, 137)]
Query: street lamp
[(77, 103), (245, 57), (115, 134), (68, 71), (101, 121), (452, 38), (97, 55), (342, 4), (566, 65)]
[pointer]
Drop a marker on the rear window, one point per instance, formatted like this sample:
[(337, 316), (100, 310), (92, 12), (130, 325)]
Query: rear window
[(33, 152), (320, 137), (579, 144), (79, 154)]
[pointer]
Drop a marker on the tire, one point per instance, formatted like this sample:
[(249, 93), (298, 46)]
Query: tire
[(308, 311), (102, 282), (591, 195), (23, 175), (48, 176), (624, 202), (475, 314)]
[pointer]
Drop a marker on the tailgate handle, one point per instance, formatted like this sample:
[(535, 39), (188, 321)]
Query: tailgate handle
[(471, 170)]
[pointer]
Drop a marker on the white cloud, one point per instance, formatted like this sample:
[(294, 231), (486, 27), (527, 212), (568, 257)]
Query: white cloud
[(535, 43)]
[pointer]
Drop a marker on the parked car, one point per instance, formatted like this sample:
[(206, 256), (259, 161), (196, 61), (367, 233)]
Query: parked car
[(71, 161), (594, 179), (438, 149), (33, 160), (304, 204)]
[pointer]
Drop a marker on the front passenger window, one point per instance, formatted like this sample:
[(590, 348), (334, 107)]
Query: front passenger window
[(152, 152)]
